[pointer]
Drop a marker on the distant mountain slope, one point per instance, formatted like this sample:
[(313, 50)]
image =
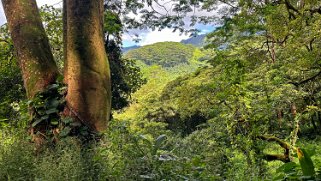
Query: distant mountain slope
[(166, 54), (195, 40), (126, 49)]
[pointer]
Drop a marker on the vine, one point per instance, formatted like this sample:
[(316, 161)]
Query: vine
[(47, 120)]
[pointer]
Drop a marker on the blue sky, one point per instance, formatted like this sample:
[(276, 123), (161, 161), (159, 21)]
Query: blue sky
[(146, 36)]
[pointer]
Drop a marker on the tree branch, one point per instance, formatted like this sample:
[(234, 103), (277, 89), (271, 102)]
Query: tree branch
[(6, 41), (290, 6), (306, 80), (282, 143), (272, 157), (315, 10)]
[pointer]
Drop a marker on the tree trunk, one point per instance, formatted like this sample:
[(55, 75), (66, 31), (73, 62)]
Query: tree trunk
[(31, 45), (86, 66), (280, 116)]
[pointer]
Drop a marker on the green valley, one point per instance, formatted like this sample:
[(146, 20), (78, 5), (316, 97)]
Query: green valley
[(242, 102)]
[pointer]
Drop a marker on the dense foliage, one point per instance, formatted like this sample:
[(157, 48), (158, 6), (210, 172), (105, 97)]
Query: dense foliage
[(245, 107), (166, 54), (125, 74), (11, 85)]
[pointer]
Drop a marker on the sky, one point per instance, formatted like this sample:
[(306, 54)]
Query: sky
[(39, 3), (147, 36)]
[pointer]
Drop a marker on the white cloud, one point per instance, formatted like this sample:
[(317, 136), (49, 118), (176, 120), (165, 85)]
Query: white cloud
[(147, 36), (165, 7), (2, 17), (49, 2), (160, 36)]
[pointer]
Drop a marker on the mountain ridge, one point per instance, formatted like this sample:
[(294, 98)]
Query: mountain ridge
[(166, 54), (197, 41)]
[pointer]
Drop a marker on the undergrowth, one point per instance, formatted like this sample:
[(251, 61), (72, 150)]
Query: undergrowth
[(121, 155)]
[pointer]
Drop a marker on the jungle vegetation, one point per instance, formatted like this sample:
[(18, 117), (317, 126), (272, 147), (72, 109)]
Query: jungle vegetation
[(244, 106)]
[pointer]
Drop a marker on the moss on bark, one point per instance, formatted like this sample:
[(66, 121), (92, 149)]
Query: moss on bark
[(86, 66), (31, 45)]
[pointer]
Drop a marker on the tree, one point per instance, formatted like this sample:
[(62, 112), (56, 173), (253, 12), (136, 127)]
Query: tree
[(86, 72), (86, 66), (31, 44), (277, 45), (125, 74)]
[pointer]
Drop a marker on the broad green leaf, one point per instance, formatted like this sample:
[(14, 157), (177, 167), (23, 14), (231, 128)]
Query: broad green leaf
[(305, 162), (310, 151), (54, 122), (53, 110), (166, 157), (45, 117), (54, 103), (35, 123), (150, 176), (52, 86), (60, 78), (159, 140), (67, 120), (144, 138), (286, 167), (65, 132)]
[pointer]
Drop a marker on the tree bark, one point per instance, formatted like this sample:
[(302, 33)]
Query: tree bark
[(86, 66), (31, 45), (86, 70), (285, 157)]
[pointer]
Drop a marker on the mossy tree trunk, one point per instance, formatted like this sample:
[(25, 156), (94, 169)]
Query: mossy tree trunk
[(86, 66), (31, 45)]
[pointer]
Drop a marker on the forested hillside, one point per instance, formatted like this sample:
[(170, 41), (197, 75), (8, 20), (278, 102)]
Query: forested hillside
[(166, 54), (197, 41), (245, 106)]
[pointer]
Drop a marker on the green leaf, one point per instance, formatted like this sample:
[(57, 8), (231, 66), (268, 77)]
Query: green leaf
[(150, 176), (75, 124), (53, 110), (67, 120), (54, 103), (84, 132), (30, 102), (166, 157), (159, 140), (44, 117), (146, 140), (65, 132), (287, 167), (52, 86), (54, 122), (35, 123), (60, 78), (305, 162), (2, 124), (310, 151), (309, 178)]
